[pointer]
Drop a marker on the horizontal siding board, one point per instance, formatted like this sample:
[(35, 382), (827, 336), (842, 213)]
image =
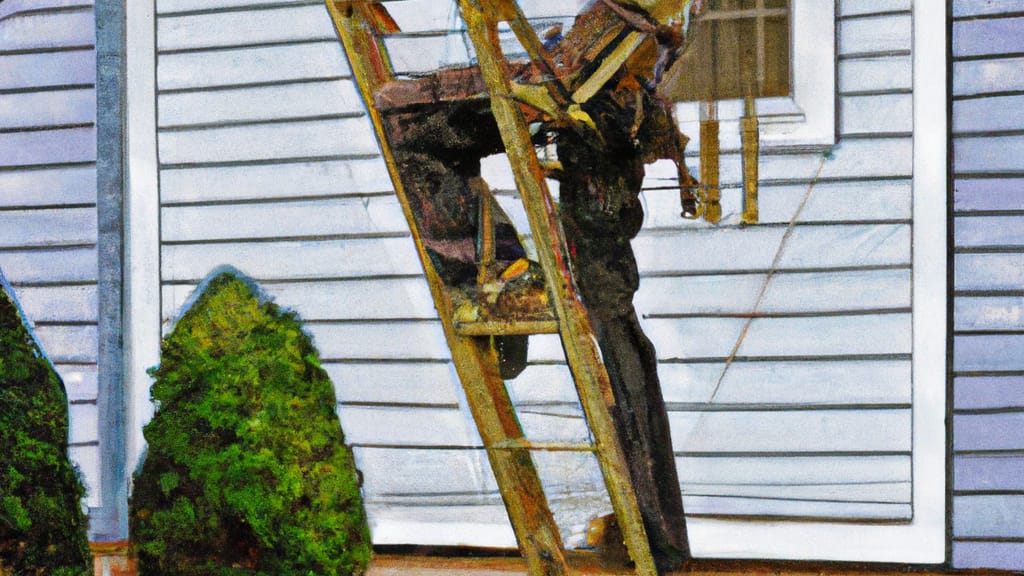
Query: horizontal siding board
[(349, 216), (48, 187), (415, 16), (859, 158), (875, 34), (418, 55), (48, 147), (59, 303), (965, 8), (786, 293), (791, 431), (999, 352), (213, 29), (988, 431), (50, 265), (69, 226), (80, 381), (793, 470), (974, 472), (299, 139), (293, 260), (754, 248), (359, 299), (867, 7), (171, 6), (407, 426), (988, 36), (400, 383), (87, 459), (876, 74), (982, 231), (297, 100), (988, 392), (390, 472), (553, 426), (47, 30), (783, 383), (989, 313), (980, 194), (269, 181), (418, 16), (988, 154), (988, 114), (47, 108), (394, 298), (877, 493), (251, 65), (833, 335), (802, 509), (884, 113), (11, 7), (988, 271), (828, 202), (68, 343), (84, 423), (986, 76), (988, 516), (47, 69), (396, 341), (993, 555), (442, 525)]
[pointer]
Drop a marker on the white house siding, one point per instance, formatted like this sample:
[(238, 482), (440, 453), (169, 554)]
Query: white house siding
[(267, 163), (48, 195), (988, 138)]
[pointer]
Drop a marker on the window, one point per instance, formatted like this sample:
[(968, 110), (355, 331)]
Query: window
[(739, 47), (797, 93)]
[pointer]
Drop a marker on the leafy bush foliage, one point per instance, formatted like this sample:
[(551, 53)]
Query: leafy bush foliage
[(247, 472), (42, 526)]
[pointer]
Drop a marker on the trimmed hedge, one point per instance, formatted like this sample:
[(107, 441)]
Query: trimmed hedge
[(42, 526), (247, 472)]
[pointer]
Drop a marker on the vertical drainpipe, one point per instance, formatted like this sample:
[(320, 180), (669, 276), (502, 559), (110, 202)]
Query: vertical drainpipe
[(109, 522)]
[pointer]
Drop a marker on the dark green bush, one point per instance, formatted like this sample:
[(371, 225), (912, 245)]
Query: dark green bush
[(42, 526), (246, 471)]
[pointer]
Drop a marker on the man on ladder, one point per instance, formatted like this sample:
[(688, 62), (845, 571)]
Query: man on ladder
[(439, 146)]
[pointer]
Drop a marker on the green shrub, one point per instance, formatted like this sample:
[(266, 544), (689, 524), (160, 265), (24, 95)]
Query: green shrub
[(246, 471), (42, 526)]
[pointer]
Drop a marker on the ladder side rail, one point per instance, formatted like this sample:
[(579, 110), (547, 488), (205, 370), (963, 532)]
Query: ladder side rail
[(581, 349), (474, 358)]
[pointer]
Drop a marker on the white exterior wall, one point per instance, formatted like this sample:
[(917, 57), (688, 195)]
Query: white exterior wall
[(48, 226), (267, 162)]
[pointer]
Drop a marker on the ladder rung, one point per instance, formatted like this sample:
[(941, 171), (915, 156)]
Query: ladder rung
[(511, 327), (524, 444)]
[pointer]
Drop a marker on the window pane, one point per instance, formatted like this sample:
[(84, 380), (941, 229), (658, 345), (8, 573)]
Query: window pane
[(776, 50), (734, 54)]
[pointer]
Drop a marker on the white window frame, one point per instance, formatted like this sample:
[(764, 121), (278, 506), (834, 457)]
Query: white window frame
[(923, 539), (807, 118)]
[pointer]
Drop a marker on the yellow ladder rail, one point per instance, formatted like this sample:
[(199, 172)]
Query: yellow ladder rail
[(577, 335), (361, 25), (474, 357)]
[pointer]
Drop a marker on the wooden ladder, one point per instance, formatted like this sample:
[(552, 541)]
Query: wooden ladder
[(362, 26)]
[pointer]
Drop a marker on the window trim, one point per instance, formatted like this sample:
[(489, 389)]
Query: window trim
[(807, 119)]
